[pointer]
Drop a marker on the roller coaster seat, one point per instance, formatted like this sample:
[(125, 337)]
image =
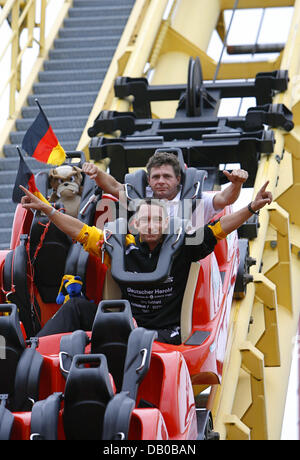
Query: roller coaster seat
[(21, 366), (112, 326), (115, 246), (52, 254), (192, 180), (87, 393), (136, 183), (11, 346)]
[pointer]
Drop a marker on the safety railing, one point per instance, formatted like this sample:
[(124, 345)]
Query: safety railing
[(25, 19)]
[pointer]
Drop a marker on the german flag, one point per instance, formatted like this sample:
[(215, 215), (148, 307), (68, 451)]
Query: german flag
[(26, 178), (41, 143)]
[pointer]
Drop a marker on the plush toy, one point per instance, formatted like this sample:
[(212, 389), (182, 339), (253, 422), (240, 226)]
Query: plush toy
[(65, 182), (72, 285)]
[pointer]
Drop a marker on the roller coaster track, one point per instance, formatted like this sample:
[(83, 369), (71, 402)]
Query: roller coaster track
[(249, 404)]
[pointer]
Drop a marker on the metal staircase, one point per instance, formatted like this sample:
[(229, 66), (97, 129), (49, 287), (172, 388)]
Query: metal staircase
[(67, 87)]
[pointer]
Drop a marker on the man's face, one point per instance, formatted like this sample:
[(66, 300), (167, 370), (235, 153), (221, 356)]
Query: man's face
[(151, 223), (163, 182)]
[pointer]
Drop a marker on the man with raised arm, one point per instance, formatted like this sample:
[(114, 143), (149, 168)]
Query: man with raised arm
[(141, 255), (163, 171)]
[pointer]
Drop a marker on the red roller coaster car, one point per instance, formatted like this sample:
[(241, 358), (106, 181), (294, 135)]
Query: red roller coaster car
[(116, 381)]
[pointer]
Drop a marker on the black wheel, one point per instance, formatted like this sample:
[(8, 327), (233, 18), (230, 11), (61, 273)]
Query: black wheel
[(194, 98), (243, 276), (210, 434)]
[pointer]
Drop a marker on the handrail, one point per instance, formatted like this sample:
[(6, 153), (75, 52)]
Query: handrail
[(31, 16)]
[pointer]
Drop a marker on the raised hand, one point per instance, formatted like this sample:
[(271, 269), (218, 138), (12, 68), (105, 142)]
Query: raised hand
[(237, 176), (30, 201), (91, 170), (262, 198)]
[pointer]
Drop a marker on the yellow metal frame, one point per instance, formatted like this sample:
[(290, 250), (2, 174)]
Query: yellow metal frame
[(250, 402), (149, 37)]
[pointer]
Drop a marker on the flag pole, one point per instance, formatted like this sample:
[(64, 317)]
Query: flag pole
[(40, 107)]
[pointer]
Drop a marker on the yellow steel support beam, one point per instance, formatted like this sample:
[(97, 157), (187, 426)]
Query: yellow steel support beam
[(255, 416), (281, 270), (236, 430), (267, 317), (250, 402), (151, 38), (229, 4), (265, 305)]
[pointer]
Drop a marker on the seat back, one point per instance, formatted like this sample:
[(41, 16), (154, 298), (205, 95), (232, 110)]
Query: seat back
[(111, 328), (15, 283), (176, 151), (71, 345), (117, 417), (51, 251), (87, 393), (138, 359), (6, 419), (11, 347), (27, 379), (49, 262), (44, 418), (192, 180), (135, 184)]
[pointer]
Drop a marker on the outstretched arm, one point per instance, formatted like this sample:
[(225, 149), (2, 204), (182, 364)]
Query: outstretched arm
[(231, 193), (104, 180), (67, 224), (231, 222)]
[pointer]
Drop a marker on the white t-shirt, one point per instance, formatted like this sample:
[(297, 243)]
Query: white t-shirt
[(203, 213)]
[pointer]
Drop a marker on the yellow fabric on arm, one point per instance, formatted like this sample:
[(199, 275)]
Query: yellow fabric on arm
[(90, 238), (129, 239), (217, 230)]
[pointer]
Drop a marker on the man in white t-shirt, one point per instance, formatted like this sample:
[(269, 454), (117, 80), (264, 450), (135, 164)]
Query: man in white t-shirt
[(164, 176)]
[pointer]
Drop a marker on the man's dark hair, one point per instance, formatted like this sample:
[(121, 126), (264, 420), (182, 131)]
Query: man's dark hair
[(164, 158)]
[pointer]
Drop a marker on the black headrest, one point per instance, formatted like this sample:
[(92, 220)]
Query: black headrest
[(176, 151), (114, 241), (44, 418), (71, 345), (192, 180), (27, 379), (6, 419), (137, 359), (10, 327), (117, 417), (12, 345), (87, 393), (112, 326), (135, 184)]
